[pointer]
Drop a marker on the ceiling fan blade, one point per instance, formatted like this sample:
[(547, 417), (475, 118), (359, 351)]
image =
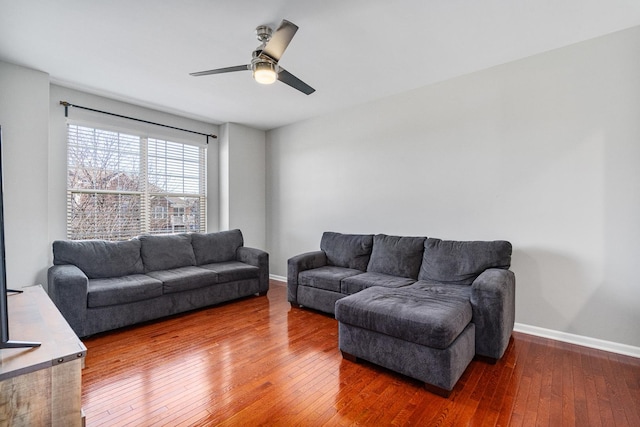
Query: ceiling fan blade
[(222, 70), (287, 78), (280, 40)]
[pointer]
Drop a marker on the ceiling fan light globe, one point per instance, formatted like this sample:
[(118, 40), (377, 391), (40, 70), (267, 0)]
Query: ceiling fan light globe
[(265, 73)]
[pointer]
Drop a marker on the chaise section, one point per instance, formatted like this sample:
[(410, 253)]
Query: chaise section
[(439, 369), (427, 337), (411, 316)]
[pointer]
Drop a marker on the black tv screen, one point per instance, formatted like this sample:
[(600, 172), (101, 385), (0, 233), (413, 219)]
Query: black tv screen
[(5, 342)]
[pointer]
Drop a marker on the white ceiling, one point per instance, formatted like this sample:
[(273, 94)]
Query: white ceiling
[(350, 51)]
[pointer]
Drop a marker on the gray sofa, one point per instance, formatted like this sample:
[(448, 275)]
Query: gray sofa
[(420, 306), (99, 285)]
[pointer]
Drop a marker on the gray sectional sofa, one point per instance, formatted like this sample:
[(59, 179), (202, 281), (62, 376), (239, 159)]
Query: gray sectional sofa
[(99, 285), (420, 306)]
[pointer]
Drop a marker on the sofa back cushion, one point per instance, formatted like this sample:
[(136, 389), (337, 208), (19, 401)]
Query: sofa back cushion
[(166, 252), (396, 255), (216, 247), (99, 259), (347, 250), (459, 263)]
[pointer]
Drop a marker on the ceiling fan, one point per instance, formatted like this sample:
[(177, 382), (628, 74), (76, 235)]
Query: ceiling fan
[(264, 63)]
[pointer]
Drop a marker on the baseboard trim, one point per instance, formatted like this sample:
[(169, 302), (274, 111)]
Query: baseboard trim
[(278, 278), (614, 347)]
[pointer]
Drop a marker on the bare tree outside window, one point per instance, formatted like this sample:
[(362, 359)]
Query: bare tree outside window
[(104, 216)]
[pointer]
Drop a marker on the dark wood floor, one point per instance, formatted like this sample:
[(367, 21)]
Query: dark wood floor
[(259, 362)]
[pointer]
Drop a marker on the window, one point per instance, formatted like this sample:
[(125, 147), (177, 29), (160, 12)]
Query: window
[(121, 185), (159, 212)]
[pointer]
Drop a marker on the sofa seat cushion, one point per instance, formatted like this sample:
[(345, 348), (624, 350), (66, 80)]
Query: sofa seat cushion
[(433, 321), (328, 277), (184, 278), (354, 284), (122, 290), (396, 255), (459, 263), (232, 271)]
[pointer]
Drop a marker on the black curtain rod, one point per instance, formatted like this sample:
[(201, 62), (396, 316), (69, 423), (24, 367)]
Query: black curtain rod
[(66, 114)]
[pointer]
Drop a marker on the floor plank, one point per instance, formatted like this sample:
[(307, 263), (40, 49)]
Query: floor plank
[(257, 361)]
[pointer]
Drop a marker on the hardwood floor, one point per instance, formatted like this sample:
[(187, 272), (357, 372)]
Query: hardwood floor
[(259, 362)]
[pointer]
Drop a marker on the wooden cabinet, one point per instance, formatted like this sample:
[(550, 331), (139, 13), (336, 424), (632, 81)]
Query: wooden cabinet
[(40, 386)]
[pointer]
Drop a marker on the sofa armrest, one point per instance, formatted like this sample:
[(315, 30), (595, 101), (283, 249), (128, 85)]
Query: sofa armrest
[(493, 302), (257, 258), (67, 287), (299, 263)]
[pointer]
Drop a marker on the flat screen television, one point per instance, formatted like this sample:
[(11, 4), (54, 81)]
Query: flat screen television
[(5, 342)]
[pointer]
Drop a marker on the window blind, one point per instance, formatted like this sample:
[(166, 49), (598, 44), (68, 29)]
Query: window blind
[(121, 185), (176, 177)]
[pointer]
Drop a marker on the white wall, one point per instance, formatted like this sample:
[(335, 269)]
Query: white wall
[(24, 114), (242, 182), (543, 152)]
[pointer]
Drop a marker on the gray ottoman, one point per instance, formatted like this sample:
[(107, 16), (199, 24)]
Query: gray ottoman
[(413, 333)]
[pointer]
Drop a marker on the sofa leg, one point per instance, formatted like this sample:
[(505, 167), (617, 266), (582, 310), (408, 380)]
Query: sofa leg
[(349, 357), (295, 305), (442, 392), (486, 359), (263, 293)]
